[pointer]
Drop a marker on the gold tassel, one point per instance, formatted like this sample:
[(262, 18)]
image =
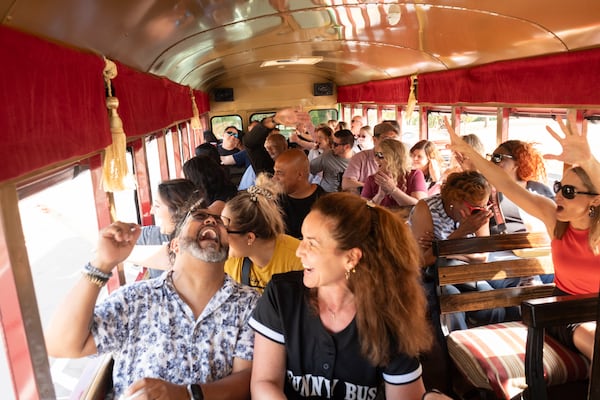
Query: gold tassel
[(195, 120), (114, 168), (412, 99)]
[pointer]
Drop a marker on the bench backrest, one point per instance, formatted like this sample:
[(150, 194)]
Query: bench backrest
[(536, 260)]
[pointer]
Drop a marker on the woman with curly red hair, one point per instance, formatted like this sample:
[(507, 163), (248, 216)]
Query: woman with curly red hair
[(525, 165)]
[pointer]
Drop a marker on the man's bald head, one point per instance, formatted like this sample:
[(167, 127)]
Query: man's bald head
[(292, 170)]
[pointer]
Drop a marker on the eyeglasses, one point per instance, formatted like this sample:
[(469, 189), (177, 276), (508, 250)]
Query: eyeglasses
[(338, 144), (569, 191), (201, 215), (379, 155), (234, 134), (497, 158), (474, 209)]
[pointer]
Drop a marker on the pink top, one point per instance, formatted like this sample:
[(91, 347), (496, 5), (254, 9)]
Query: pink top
[(415, 182), (361, 165), (576, 268)]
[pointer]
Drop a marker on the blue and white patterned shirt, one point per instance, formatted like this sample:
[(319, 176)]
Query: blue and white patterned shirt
[(152, 332)]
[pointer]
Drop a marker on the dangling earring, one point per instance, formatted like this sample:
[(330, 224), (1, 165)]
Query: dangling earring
[(592, 212), (347, 273)]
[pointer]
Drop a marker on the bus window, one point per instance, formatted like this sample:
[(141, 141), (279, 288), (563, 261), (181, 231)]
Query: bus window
[(318, 117), (482, 125), (5, 376), (357, 110), (260, 116), (219, 124), (410, 128), (170, 154), (60, 229), (388, 114), (346, 113), (594, 137), (125, 200), (372, 117)]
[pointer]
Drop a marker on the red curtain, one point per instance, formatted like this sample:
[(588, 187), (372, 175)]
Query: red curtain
[(53, 103), (563, 79), (391, 91)]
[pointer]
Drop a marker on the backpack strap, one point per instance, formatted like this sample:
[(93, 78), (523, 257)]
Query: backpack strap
[(246, 271)]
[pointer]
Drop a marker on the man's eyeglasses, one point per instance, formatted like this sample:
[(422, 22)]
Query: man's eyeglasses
[(379, 155), (234, 134), (202, 215), (474, 209), (569, 191), (497, 158), (338, 144)]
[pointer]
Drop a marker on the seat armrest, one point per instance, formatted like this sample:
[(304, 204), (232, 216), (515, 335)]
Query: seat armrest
[(541, 313)]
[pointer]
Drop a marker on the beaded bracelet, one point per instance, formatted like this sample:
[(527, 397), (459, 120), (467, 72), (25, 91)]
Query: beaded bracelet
[(96, 280), (93, 271)]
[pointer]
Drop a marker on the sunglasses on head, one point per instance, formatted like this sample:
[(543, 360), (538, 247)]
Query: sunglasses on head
[(569, 191), (379, 155), (497, 158), (232, 133)]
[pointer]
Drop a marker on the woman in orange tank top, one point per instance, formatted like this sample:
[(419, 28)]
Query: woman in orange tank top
[(573, 221)]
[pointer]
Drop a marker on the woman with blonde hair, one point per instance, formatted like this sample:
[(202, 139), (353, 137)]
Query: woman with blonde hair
[(355, 320), (258, 246), (572, 222), (395, 184)]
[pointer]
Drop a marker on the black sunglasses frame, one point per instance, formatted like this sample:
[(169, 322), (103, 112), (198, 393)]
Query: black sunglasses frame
[(201, 215), (497, 158), (568, 191)]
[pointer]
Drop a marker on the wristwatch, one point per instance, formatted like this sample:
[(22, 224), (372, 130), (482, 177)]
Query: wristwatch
[(195, 392)]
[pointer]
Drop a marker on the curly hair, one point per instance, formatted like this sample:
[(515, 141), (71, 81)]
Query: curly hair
[(468, 185), (397, 157), (386, 282), (529, 161), (256, 209)]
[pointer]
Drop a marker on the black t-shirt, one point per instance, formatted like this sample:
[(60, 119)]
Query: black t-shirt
[(320, 364), (295, 210)]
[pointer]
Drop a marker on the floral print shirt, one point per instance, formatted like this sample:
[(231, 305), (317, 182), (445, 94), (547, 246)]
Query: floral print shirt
[(151, 332)]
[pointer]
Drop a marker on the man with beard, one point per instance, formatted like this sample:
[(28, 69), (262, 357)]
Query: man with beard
[(182, 335)]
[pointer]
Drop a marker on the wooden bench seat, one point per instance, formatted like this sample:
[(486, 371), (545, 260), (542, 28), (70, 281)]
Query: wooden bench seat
[(492, 357)]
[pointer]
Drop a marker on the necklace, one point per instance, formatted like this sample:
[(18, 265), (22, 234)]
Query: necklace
[(334, 313)]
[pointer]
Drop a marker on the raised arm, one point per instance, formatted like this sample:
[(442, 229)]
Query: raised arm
[(575, 148), (68, 334), (536, 205)]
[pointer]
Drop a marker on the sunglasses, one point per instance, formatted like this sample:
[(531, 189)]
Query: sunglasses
[(497, 158), (379, 155), (338, 144), (474, 209), (201, 215), (569, 191), (234, 134)]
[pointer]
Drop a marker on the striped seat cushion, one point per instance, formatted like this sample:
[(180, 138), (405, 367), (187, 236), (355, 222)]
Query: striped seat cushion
[(493, 357)]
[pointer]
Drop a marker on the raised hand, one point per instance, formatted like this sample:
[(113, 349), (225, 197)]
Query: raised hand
[(575, 146)]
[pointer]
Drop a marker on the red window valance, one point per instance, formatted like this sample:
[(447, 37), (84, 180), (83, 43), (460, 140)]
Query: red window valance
[(53, 103), (391, 91)]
